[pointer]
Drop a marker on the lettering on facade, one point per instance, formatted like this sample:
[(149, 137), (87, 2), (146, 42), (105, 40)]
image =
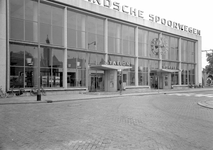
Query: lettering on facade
[(117, 63), (138, 13), (170, 67)]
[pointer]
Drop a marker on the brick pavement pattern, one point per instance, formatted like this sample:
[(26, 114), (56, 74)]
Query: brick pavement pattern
[(154, 122)]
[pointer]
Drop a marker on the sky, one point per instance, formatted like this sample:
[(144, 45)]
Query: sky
[(196, 14)]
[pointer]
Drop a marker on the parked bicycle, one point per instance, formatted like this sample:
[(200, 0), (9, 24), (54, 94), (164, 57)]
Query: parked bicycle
[(2, 93), (34, 91), (21, 92), (6, 94)]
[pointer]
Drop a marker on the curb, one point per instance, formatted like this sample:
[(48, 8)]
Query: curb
[(204, 104)]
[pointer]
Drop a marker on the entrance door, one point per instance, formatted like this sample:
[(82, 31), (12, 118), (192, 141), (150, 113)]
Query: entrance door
[(153, 80), (167, 81), (97, 82)]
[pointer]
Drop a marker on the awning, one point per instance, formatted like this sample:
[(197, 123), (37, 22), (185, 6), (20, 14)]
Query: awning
[(109, 67), (165, 70)]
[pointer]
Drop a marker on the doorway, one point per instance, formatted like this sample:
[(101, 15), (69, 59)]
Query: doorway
[(153, 81), (97, 82)]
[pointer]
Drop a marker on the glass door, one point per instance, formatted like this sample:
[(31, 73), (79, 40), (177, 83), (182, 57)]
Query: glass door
[(97, 82)]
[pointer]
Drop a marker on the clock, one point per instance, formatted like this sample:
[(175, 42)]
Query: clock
[(159, 43)]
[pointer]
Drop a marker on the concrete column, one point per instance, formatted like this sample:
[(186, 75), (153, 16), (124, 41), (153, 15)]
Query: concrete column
[(65, 50), (3, 44), (83, 34), (179, 59), (136, 54), (160, 53), (106, 40), (198, 61)]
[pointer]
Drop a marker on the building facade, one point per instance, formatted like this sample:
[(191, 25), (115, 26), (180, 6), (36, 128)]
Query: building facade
[(93, 45)]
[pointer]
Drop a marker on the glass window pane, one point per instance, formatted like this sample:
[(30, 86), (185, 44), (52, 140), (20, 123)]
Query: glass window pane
[(100, 43), (71, 38), (31, 9), (81, 39), (16, 77), (91, 24), (45, 33), (57, 16), (31, 56), (81, 61), (16, 29), (92, 41), (92, 59), (111, 45), (45, 13), (46, 57), (31, 77), (17, 8), (31, 30), (100, 26), (46, 78), (71, 59), (125, 47), (57, 77), (58, 35), (71, 20), (16, 55), (81, 78), (81, 22), (58, 58), (100, 59)]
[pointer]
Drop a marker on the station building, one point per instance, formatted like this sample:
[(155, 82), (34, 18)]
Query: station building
[(94, 45)]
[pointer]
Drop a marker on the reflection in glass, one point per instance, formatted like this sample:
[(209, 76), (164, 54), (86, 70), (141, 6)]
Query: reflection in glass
[(16, 29), (58, 35), (45, 13), (16, 55), (31, 30), (16, 77), (17, 8), (71, 38), (45, 33), (31, 10), (57, 16)]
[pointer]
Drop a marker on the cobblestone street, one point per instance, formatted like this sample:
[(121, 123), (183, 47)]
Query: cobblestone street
[(155, 122)]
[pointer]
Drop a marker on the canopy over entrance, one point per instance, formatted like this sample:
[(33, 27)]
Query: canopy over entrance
[(109, 67), (165, 70)]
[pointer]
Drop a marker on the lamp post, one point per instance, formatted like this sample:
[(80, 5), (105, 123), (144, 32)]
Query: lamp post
[(120, 81)]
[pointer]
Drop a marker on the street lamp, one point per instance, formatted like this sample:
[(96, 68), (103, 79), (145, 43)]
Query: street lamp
[(120, 81)]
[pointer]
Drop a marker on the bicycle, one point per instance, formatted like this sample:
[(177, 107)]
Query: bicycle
[(34, 91), (21, 92), (10, 93), (2, 93)]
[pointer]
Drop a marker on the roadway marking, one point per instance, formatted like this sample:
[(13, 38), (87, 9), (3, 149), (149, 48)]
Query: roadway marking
[(191, 94)]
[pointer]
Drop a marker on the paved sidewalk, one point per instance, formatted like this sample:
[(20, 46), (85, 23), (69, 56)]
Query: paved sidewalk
[(86, 96)]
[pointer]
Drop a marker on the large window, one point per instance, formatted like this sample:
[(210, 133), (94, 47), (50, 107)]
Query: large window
[(142, 43), (121, 39), (85, 32), (142, 72), (153, 48), (24, 20), (23, 66), (52, 25), (187, 51), (51, 62), (76, 69)]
